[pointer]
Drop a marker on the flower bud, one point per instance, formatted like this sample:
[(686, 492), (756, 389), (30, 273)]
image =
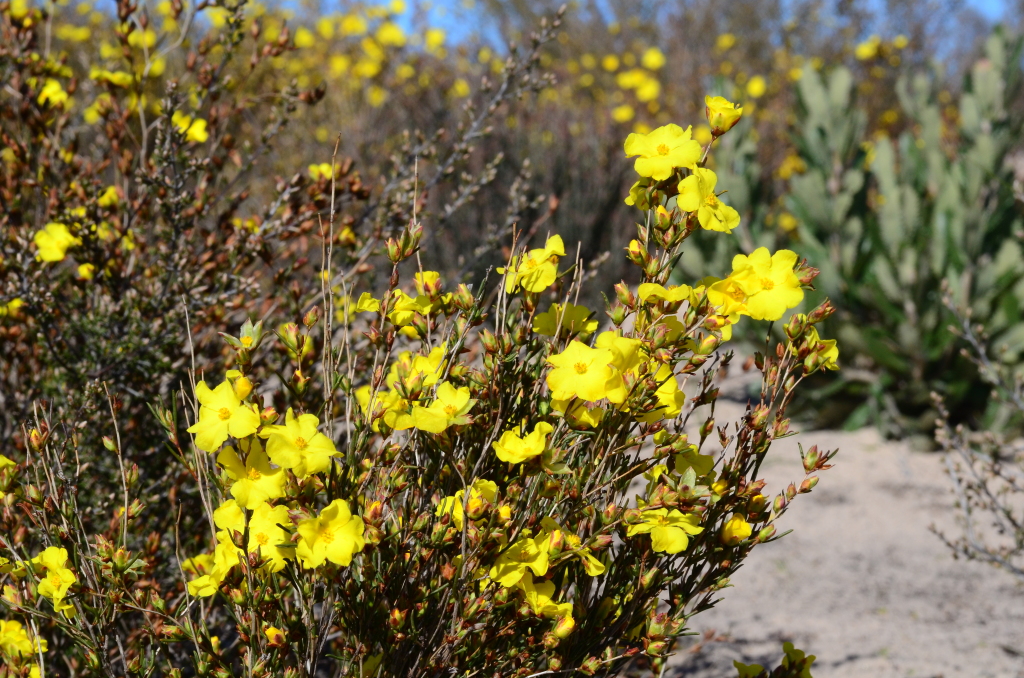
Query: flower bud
[(564, 626), (708, 344), (299, 383), (722, 114), (649, 577), (707, 427), (808, 484), (625, 295), (394, 250), (766, 534), (805, 274), (825, 310), (242, 388), (637, 253), (550, 641), (397, 618), (617, 314), (463, 298), (780, 504)]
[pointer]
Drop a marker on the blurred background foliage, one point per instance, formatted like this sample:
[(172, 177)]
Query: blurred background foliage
[(881, 140)]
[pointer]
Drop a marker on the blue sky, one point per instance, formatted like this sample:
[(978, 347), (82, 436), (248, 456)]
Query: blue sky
[(992, 9), (453, 16)]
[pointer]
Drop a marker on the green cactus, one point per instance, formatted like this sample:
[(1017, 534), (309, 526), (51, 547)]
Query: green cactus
[(895, 223)]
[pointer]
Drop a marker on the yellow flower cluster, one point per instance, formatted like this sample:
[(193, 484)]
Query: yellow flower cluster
[(261, 478)]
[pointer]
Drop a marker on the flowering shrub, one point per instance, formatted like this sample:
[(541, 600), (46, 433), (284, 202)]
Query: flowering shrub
[(453, 478)]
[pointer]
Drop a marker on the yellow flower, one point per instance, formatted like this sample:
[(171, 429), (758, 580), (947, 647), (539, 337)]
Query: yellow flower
[(652, 59), (572, 319), (6, 463), (540, 597), (625, 358), (729, 298), (769, 282), (426, 368), (481, 491), (516, 448), (756, 87), (268, 538), (722, 114), (403, 309), (691, 458), (580, 371), (11, 308), (275, 636), (670, 398), (662, 150), (52, 93), (868, 49), (225, 557), (367, 304), (222, 414), (304, 38), (194, 130), (536, 270), (335, 535), (449, 409), (255, 480), (656, 292), (434, 39), (115, 78), (697, 194), (736, 529), (57, 578), (353, 24), (16, 642), (826, 349), (591, 564), (53, 242), (623, 113), (526, 553), (229, 516), (197, 565), (390, 34), (109, 197), (299, 446), (669, 530), (323, 170), (578, 414)]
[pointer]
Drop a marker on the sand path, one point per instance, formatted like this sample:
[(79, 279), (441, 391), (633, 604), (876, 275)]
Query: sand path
[(861, 582)]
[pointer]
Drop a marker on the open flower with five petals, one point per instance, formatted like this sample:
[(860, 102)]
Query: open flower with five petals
[(662, 150), (255, 480), (450, 408), (335, 535), (221, 414), (299, 446), (697, 194), (669, 530)]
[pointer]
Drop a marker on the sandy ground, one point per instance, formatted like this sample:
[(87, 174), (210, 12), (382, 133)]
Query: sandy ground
[(861, 582)]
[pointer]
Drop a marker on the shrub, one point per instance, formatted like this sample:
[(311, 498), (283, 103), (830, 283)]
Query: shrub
[(462, 480), (890, 221), (986, 468)]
